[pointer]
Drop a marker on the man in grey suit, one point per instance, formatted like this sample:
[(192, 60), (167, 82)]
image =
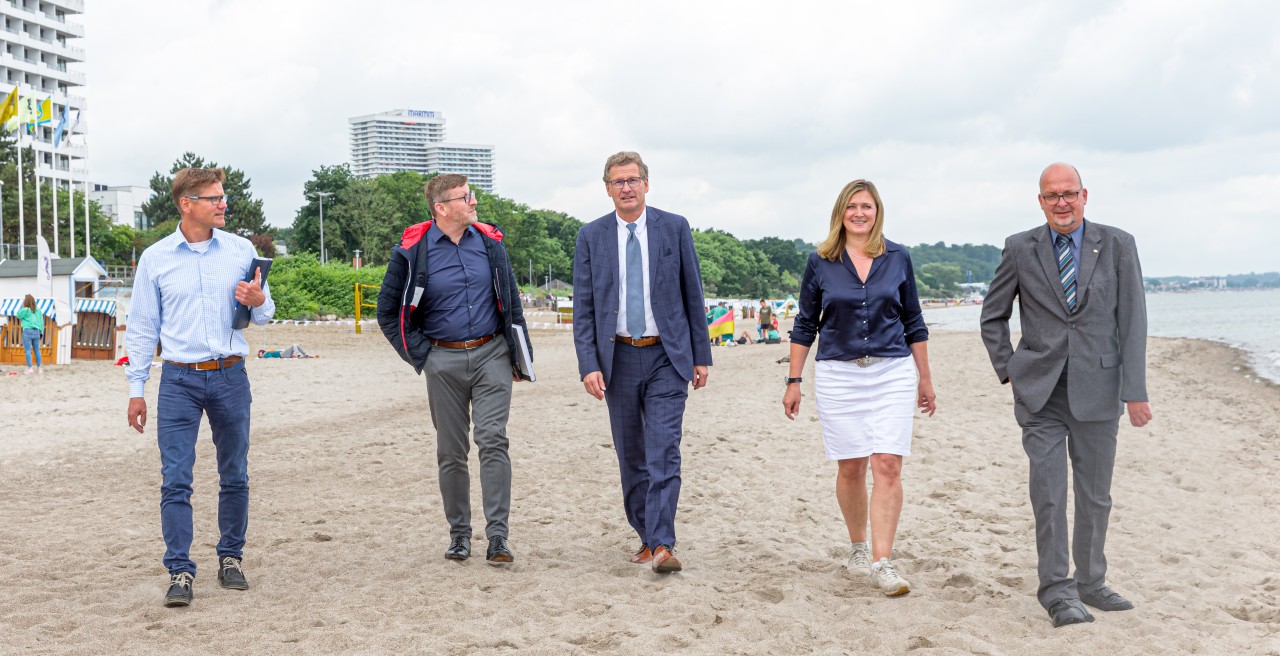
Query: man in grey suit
[(1080, 363), (641, 337)]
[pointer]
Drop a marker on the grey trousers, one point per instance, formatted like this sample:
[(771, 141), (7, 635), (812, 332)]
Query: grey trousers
[(465, 387), (1050, 437)]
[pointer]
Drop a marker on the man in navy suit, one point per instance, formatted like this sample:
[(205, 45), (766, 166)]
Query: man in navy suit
[(641, 337)]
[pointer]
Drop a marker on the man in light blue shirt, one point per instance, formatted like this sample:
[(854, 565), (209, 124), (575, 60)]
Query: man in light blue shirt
[(184, 296)]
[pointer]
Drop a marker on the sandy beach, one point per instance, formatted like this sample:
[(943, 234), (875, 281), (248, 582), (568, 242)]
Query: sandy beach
[(346, 530)]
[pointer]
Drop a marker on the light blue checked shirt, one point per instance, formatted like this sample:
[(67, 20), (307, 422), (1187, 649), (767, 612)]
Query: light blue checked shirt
[(186, 299)]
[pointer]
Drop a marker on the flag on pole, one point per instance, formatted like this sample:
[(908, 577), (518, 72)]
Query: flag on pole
[(62, 124), (9, 111), (28, 111), (75, 122), (46, 111)]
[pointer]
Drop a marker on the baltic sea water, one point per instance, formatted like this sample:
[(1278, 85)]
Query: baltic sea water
[(1247, 320)]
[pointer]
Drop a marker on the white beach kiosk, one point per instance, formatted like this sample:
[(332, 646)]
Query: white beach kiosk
[(76, 323)]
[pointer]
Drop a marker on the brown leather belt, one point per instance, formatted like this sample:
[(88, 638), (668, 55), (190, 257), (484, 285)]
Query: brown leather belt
[(475, 343), (643, 341), (207, 365)]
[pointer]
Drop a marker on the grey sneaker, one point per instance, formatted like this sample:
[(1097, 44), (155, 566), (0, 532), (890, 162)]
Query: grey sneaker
[(886, 578), (230, 574), (860, 561), (179, 590)]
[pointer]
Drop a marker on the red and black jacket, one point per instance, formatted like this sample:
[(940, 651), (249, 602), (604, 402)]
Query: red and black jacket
[(405, 284)]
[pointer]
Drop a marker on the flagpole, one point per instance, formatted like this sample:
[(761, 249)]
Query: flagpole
[(53, 182), (86, 192), (35, 171), (86, 205), (71, 208), (22, 223)]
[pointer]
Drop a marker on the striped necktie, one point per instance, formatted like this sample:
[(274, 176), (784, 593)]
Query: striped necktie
[(635, 285), (1067, 270)]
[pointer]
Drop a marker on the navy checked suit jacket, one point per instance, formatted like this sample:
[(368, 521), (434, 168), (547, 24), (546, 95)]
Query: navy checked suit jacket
[(675, 292)]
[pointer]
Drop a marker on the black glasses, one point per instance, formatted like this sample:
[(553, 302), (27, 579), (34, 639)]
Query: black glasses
[(619, 184), (213, 200), (471, 195), (1052, 199)]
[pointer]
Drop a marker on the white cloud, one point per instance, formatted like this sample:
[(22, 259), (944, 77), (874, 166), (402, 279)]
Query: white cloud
[(752, 115)]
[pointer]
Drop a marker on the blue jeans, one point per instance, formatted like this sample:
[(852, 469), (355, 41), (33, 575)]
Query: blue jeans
[(31, 342), (186, 394)]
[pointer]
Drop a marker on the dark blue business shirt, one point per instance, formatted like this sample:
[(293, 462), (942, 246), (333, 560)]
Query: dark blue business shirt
[(459, 301), (880, 317)]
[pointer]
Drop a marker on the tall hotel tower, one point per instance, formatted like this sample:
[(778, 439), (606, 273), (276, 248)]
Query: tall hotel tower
[(414, 140)]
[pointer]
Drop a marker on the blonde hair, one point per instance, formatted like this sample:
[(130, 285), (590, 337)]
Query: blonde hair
[(833, 245), (190, 181)]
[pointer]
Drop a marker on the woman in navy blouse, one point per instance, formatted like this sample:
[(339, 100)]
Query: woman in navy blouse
[(858, 295)]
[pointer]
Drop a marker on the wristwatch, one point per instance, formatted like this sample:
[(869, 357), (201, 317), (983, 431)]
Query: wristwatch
[(794, 380)]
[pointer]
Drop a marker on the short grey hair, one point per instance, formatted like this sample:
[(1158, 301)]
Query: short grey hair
[(624, 158)]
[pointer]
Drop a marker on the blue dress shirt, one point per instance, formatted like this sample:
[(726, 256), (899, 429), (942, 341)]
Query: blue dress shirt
[(186, 299), (880, 317), (458, 304)]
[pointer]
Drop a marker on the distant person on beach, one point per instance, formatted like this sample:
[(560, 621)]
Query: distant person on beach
[(448, 305), (291, 351), (32, 320), (858, 295), (641, 338), (183, 293), (764, 318), (1080, 364)]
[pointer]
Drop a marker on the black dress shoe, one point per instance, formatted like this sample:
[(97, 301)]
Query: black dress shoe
[(230, 575), (179, 589), (1068, 611), (1105, 598), (499, 551), (459, 548)]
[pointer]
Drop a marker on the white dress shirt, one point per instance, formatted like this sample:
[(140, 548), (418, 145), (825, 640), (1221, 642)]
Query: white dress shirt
[(650, 326)]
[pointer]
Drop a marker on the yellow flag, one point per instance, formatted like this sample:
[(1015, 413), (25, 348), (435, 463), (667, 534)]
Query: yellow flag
[(46, 111), (9, 111)]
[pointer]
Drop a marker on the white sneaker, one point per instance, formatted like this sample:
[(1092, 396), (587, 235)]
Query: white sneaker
[(860, 561), (886, 578)]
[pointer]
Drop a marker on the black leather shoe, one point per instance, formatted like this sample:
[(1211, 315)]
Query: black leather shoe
[(1105, 598), (499, 551), (179, 590), (230, 575), (459, 549), (1068, 611)]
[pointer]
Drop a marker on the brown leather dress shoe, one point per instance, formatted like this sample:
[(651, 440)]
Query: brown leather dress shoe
[(665, 561), (643, 556)]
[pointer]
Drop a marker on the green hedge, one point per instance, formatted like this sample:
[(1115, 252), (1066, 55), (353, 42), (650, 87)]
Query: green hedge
[(304, 290)]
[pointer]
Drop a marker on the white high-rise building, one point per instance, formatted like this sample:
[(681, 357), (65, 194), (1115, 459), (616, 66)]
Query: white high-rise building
[(414, 140), (36, 56)]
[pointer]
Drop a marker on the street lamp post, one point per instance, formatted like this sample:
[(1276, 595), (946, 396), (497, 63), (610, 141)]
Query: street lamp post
[(322, 195)]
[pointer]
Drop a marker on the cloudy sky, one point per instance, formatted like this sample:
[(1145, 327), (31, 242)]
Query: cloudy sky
[(751, 115)]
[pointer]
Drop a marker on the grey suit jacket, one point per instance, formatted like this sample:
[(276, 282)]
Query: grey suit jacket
[(1103, 344), (675, 293)]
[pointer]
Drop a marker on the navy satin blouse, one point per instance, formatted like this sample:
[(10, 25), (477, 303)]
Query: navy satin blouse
[(880, 317)]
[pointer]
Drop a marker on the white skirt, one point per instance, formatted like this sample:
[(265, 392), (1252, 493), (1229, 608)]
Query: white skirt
[(865, 410)]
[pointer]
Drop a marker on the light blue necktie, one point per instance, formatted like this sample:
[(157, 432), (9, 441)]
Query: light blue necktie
[(1067, 270), (635, 285)]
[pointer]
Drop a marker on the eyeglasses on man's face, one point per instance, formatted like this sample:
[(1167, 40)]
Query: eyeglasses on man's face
[(213, 200), (1052, 199), (632, 182), (471, 195)]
